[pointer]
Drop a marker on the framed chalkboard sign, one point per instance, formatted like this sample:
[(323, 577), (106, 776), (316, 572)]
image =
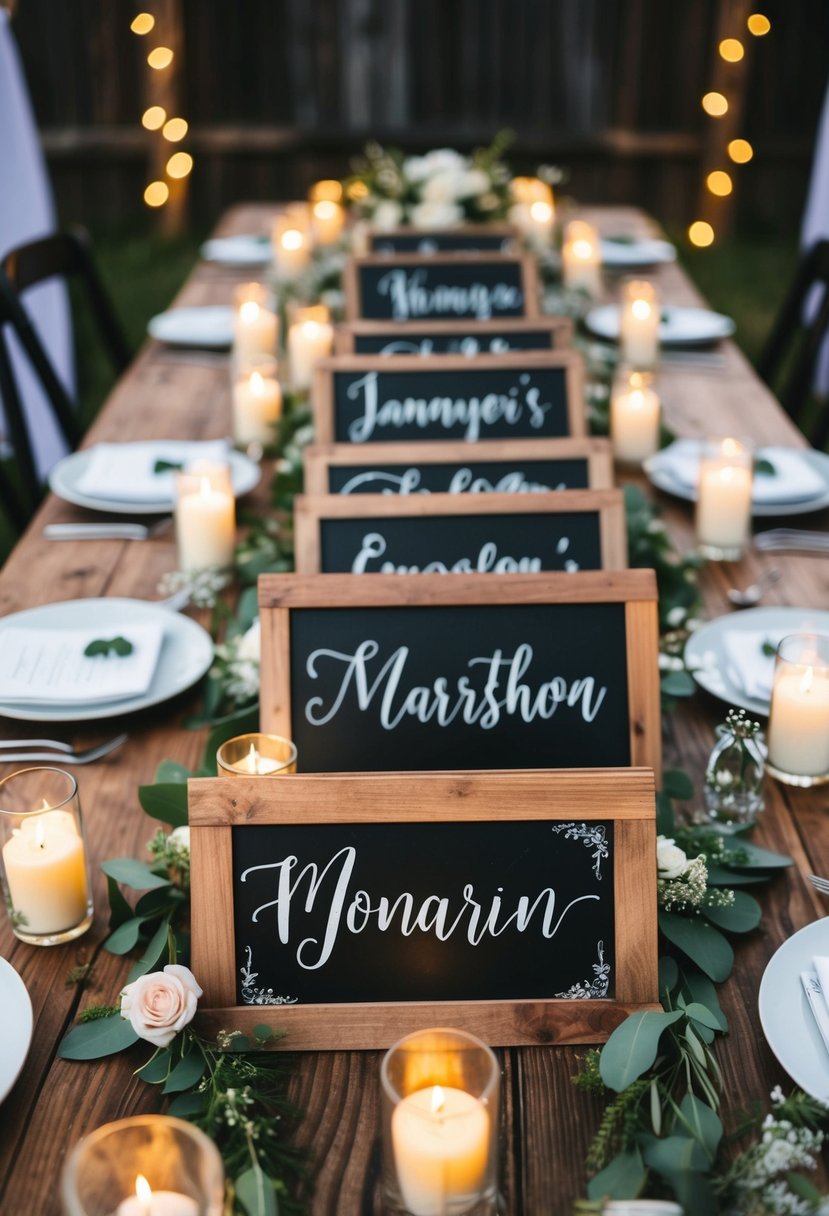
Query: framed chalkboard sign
[(519, 906), (453, 337), (490, 466), (423, 671), (440, 287), (460, 533), (522, 395), (473, 238)]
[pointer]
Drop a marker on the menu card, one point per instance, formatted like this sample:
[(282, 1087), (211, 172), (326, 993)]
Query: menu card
[(48, 666)]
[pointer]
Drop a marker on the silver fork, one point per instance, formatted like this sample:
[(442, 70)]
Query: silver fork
[(107, 531), (792, 538), (61, 753), (820, 884)]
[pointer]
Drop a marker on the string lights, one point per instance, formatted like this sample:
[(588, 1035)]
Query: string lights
[(719, 182), (172, 128)]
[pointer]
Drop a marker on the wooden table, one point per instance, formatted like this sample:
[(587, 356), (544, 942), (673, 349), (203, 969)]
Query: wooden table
[(547, 1123)]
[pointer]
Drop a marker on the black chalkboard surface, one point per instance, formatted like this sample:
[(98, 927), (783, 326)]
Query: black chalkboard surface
[(467, 338), (371, 399), (481, 237), (441, 286)]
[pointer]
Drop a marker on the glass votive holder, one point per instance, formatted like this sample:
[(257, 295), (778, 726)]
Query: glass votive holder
[(205, 516), (639, 324), (256, 755), (45, 865), (150, 1165), (257, 401), (635, 416), (292, 241), (310, 338), (581, 260), (798, 738), (440, 1092), (723, 515), (255, 322)]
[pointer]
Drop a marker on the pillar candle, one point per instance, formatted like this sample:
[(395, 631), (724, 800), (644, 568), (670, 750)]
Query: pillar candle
[(292, 241), (308, 341), (580, 258), (799, 716), (639, 324), (257, 404), (634, 419), (205, 522), (255, 331), (328, 221), (45, 867), (440, 1141), (724, 499)]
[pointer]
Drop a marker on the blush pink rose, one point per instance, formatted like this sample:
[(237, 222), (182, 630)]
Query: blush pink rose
[(161, 1004)]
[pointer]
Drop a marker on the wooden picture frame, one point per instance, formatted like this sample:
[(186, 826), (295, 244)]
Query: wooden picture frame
[(320, 458), (413, 374), (311, 514), (466, 238), (283, 597), (557, 333), (477, 265), (567, 799)]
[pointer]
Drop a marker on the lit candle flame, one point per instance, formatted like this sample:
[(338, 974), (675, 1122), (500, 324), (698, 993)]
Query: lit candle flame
[(292, 239), (144, 1192), (641, 309), (438, 1100), (541, 213), (808, 680), (253, 760), (205, 486), (637, 399), (257, 384), (325, 210), (582, 249), (40, 835), (249, 312)]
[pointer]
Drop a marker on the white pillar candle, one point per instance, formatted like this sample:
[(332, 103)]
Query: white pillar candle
[(639, 324), (328, 220), (255, 331), (147, 1202), (533, 209), (45, 866), (257, 405), (205, 521), (440, 1142), (799, 715), (634, 419), (309, 339), (291, 241), (724, 499), (581, 258)]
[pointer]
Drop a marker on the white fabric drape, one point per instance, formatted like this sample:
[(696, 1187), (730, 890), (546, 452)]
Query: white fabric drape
[(27, 212), (816, 226)]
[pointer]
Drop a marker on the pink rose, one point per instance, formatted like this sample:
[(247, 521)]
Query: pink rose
[(161, 1004)]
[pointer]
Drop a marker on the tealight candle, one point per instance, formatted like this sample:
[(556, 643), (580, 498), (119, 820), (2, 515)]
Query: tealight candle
[(257, 403), (256, 755), (205, 519), (328, 220), (798, 738), (310, 337), (634, 418), (256, 325), (724, 499), (291, 241), (581, 258), (639, 324), (148, 1202)]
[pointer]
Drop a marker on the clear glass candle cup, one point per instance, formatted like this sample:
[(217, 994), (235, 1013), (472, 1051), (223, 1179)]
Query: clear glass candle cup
[(179, 1164), (639, 324), (257, 401), (256, 755), (440, 1111), (45, 863), (255, 322), (635, 416), (798, 738), (723, 514), (205, 517)]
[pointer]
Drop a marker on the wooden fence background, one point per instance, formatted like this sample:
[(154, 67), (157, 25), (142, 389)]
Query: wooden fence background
[(279, 92)]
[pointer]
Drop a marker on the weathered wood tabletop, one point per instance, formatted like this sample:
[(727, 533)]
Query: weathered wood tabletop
[(547, 1123)]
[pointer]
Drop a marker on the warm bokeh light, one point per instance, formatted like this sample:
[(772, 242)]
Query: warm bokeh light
[(160, 57), (719, 182), (714, 104), (292, 239), (740, 151), (732, 50), (143, 23), (758, 24), (153, 118), (325, 209), (357, 190), (156, 194), (701, 234), (175, 129), (179, 164), (541, 213), (327, 191)]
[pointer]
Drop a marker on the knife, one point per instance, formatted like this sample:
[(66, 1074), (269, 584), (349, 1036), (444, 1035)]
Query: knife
[(96, 531)]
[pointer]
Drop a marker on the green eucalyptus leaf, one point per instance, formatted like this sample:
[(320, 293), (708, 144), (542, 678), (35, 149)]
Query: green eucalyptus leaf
[(703, 1123), (755, 857), (702, 943), (677, 684), (119, 909), (166, 801), (677, 784), (632, 1047), (656, 1107), (675, 1155), (703, 992), (155, 903), (187, 1072), (170, 772), (255, 1192), (187, 1106), (703, 1015), (103, 1037), (157, 1067), (668, 974), (133, 873), (720, 877), (803, 1188), (125, 936), (696, 1047), (623, 1178), (743, 915), (156, 948)]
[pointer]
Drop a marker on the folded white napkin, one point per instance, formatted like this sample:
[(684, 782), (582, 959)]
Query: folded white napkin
[(816, 986), (125, 471), (749, 668), (793, 479), (48, 666)]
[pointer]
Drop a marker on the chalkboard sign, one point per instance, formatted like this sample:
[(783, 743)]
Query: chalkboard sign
[(520, 906), (461, 533), (512, 466), (474, 238), (371, 399), (440, 286), (453, 337), (487, 671)]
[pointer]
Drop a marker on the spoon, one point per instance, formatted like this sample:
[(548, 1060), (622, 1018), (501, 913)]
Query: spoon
[(752, 594)]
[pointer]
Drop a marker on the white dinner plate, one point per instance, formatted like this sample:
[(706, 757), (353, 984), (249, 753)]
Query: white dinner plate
[(17, 1026), (678, 326), (664, 479), (210, 326), (787, 1020), (186, 653), (623, 253), (64, 478), (242, 250), (708, 660)]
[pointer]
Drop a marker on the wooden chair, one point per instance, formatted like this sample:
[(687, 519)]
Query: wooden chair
[(791, 352)]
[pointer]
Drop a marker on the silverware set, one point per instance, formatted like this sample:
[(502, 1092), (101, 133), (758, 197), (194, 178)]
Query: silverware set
[(55, 750), (777, 540)]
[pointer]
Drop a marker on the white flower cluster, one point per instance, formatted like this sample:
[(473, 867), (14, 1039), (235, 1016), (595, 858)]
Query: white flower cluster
[(758, 1188), (238, 665), (437, 190), (683, 883)]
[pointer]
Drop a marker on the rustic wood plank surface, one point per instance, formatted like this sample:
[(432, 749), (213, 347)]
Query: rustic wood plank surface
[(547, 1123)]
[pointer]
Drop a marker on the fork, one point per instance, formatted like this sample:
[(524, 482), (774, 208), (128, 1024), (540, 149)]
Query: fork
[(792, 538), (820, 884), (61, 752)]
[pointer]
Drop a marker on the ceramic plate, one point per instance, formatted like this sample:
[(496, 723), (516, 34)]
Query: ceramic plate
[(787, 1021), (624, 252), (664, 479), (210, 326), (678, 327), (706, 652), (186, 654), (17, 1026), (64, 477), (238, 250)]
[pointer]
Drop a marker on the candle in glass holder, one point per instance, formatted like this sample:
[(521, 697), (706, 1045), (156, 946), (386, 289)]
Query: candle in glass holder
[(255, 325), (291, 241), (329, 190), (634, 417), (257, 402), (310, 337), (328, 220), (533, 209), (798, 739), (581, 258), (205, 518), (639, 324), (149, 1202), (724, 499), (256, 755)]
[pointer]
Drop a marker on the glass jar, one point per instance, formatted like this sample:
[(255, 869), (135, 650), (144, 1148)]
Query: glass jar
[(734, 774)]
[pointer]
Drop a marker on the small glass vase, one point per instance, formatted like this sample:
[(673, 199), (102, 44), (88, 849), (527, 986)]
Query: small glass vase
[(734, 774)]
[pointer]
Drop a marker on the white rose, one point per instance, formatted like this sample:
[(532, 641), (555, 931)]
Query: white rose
[(387, 215), (161, 1004), (416, 168), (250, 643), (443, 187), (435, 215), (445, 160), (473, 182), (180, 837), (671, 861)]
